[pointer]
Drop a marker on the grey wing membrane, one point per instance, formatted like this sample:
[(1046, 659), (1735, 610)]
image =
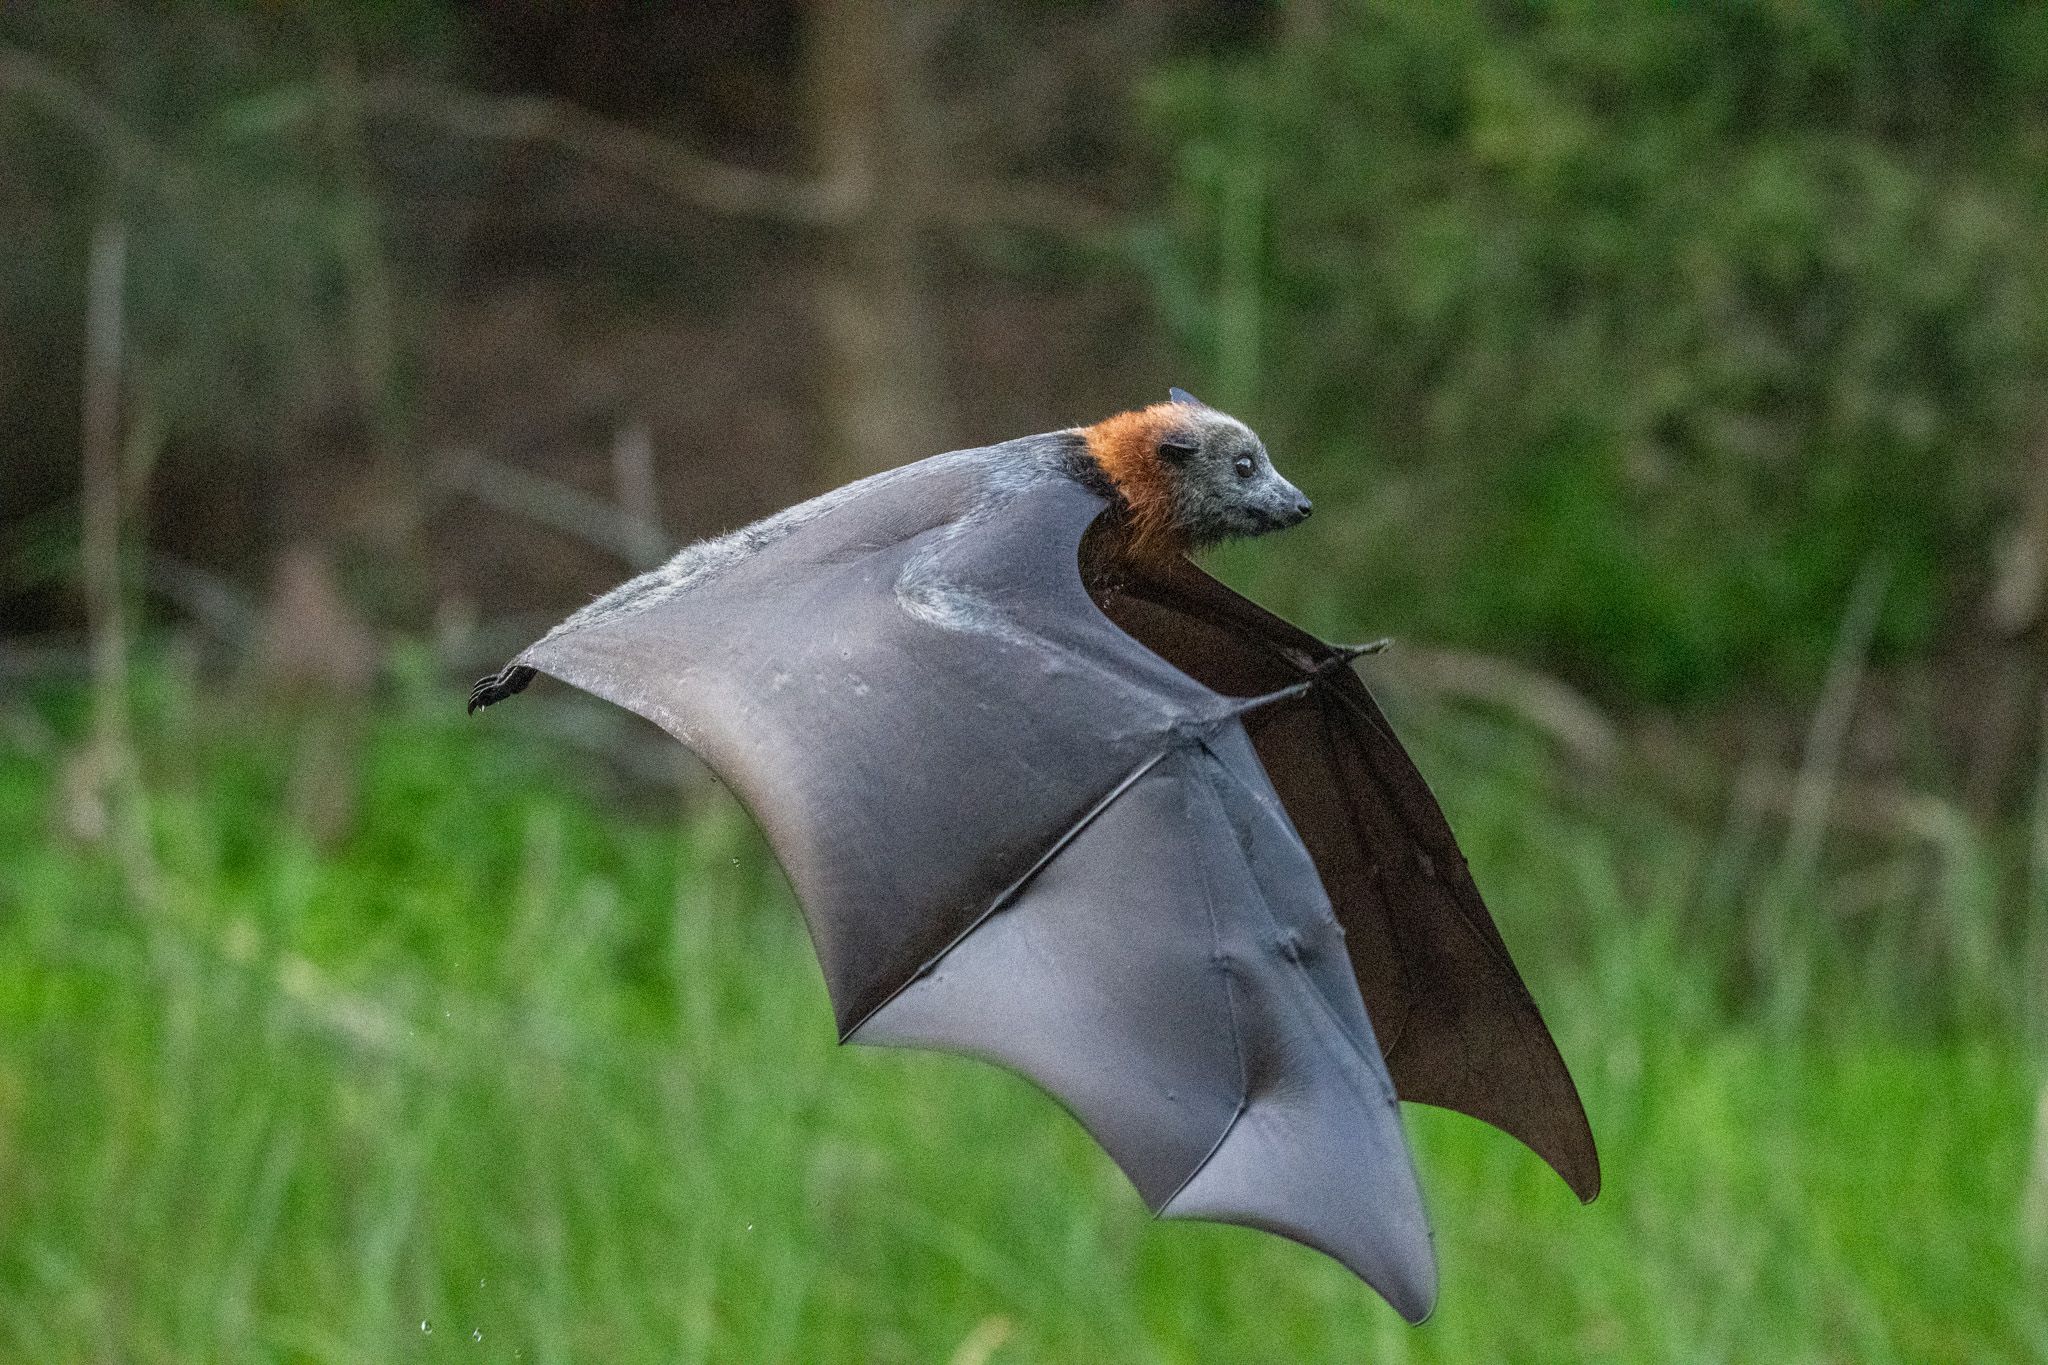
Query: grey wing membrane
[(1457, 1024), (1018, 833), (1177, 979)]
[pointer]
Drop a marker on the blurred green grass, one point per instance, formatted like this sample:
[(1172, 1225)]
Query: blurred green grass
[(511, 1070)]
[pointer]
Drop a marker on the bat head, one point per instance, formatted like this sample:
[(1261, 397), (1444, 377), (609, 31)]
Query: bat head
[(1189, 475)]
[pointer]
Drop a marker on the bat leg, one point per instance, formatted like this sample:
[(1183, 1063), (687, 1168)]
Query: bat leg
[(509, 681)]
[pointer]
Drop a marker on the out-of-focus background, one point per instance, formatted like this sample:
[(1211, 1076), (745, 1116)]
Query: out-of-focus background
[(1671, 383)]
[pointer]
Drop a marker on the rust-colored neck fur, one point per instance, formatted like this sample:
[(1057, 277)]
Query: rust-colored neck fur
[(1126, 449)]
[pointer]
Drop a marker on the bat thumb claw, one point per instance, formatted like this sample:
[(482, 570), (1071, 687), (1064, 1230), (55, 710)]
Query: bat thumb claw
[(1339, 657), (507, 682), (1349, 652)]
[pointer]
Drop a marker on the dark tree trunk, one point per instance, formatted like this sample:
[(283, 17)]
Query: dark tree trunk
[(882, 372)]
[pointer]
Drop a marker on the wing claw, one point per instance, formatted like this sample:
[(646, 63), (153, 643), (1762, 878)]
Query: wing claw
[(508, 681)]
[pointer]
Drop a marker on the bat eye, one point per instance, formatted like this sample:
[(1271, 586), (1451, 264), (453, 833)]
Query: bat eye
[(1244, 465)]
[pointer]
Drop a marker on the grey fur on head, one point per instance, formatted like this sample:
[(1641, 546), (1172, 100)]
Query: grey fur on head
[(1225, 484)]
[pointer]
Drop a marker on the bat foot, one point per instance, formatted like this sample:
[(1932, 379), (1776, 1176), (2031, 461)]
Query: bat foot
[(509, 681)]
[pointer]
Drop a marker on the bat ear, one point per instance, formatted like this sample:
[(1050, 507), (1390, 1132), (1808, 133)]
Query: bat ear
[(1178, 447), (1184, 398)]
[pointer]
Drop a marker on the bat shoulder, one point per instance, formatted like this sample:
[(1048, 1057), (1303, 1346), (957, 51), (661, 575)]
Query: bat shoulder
[(960, 487)]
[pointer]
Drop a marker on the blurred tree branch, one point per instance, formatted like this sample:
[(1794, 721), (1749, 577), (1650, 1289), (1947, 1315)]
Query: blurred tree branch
[(881, 185), (659, 163), (676, 172), (105, 780), (878, 189), (103, 786), (65, 100), (558, 505)]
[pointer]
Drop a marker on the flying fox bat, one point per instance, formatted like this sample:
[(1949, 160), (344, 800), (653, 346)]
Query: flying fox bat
[(1052, 796)]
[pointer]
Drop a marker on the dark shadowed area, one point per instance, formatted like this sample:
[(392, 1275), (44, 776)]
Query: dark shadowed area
[(1669, 383)]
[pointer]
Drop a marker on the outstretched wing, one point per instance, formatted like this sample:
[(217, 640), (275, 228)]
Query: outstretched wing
[(1017, 833), (1458, 1026), (1176, 978)]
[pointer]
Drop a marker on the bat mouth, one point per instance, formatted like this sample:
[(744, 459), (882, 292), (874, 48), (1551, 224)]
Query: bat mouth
[(1258, 521)]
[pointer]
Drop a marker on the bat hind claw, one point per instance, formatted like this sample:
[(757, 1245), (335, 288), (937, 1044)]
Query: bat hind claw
[(509, 681)]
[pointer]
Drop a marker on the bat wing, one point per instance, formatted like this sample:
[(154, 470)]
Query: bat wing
[(1457, 1025), (1176, 978), (1017, 833)]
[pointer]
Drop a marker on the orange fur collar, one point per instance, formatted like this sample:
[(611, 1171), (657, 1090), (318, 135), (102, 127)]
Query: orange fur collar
[(1126, 448)]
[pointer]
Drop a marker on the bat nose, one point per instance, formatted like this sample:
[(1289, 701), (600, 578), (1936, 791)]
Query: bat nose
[(1302, 509)]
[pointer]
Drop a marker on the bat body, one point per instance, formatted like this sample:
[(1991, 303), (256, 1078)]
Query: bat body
[(1052, 796)]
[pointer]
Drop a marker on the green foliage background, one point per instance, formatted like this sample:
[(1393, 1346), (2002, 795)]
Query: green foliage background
[(1678, 315), (1618, 339), (510, 1073)]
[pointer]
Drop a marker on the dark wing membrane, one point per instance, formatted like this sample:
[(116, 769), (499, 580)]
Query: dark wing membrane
[(1017, 833), (1457, 1025)]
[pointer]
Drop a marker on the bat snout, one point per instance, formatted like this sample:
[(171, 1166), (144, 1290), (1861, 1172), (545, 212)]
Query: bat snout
[(1286, 505), (1291, 508)]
